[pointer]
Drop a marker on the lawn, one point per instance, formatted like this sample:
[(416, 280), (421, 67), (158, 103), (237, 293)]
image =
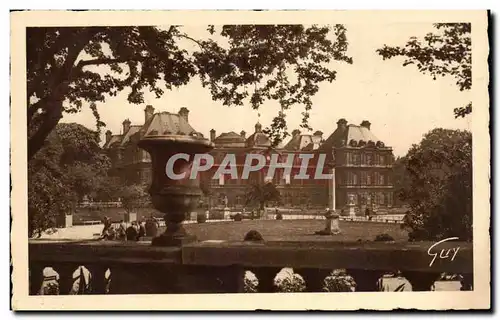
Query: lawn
[(293, 230)]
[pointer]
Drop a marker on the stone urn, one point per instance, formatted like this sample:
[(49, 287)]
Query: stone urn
[(174, 196)]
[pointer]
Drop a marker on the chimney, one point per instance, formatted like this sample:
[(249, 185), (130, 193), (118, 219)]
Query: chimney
[(108, 136), (318, 134), (126, 125), (295, 132), (148, 113), (342, 124), (243, 134), (212, 135), (184, 113), (366, 124)]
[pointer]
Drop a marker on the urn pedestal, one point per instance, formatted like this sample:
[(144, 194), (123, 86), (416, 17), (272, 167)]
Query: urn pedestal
[(332, 224), (172, 190)]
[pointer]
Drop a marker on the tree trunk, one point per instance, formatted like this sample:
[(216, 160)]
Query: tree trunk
[(48, 122), (58, 83)]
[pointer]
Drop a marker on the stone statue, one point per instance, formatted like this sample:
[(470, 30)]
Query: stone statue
[(351, 205), (351, 199)]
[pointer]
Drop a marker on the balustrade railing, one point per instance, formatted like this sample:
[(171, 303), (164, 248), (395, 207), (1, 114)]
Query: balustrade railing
[(220, 266)]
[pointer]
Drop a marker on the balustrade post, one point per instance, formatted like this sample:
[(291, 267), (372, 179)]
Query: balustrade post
[(266, 279), (314, 278), (35, 278), (66, 280), (467, 282), (366, 280), (421, 281)]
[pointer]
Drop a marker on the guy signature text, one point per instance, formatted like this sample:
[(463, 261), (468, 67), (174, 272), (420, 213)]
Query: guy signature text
[(443, 253)]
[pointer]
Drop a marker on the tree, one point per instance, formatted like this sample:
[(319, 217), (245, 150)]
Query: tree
[(445, 53), (65, 169), (440, 191), (261, 194), (134, 197), (400, 177), (107, 189), (257, 63)]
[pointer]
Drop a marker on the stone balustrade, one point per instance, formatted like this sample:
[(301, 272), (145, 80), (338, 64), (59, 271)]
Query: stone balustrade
[(219, 266)]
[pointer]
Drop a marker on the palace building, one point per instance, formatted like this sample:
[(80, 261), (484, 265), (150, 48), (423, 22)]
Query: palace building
[(363, 163)]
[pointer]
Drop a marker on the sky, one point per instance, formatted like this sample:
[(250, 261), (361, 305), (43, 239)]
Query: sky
[(401, 103)]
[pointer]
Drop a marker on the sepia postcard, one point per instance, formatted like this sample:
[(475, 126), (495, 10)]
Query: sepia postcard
[(243, 160)]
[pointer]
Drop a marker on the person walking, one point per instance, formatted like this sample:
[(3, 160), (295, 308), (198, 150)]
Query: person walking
[(107, 225), (368, 213)]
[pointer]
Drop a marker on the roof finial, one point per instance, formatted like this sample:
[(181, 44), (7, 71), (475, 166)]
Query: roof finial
[(258, 126)]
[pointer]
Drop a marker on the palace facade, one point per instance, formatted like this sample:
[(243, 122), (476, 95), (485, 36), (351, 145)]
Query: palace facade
[(363, 163)]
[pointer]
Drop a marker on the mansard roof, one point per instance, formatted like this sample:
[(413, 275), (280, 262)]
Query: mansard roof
[(350, 135), (230, 139), (303, 142), (130, 132), (167, 123)]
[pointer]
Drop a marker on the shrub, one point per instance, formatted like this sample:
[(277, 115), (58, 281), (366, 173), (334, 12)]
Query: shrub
[(339, 282), (292, 283), (250, 285), (238, 217), (253, 235), (201, 217), (279, 216), (384, 237)]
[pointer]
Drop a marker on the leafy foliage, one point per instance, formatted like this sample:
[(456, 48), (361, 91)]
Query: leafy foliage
[(250, 285), (444, 53), (383, 237), (400, 177), (134, 197), (261, 194), (107, 189), (292, 283), (339, 281), (440, 192), (65, 170), (237, 63)]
